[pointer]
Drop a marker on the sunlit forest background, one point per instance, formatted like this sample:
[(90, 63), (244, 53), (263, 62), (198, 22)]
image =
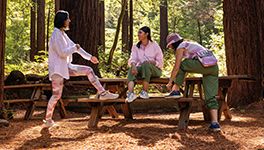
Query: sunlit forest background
[(195, 20)]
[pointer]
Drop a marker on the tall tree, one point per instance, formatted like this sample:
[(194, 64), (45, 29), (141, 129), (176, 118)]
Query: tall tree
[(41, 25), (33, 30), (101, 24), (243, 29), (125, 24), (131, 21), (57, 5), (84, 27), (2, 50), (119, 22), (163, 23)]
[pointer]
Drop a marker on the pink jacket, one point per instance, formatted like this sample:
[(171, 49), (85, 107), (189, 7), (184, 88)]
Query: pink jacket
[(152, 52)]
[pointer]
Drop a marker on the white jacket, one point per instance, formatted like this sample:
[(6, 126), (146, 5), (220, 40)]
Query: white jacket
[(61, 48)]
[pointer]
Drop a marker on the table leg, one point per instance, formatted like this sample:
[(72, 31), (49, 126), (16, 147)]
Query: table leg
[(223, 105), (36, 94), (127, 111), (185, 110), (30, 111), (95, 115), (62, 109), (112, 111)]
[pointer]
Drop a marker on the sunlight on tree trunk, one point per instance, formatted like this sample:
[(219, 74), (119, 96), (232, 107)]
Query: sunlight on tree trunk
[(244, 45), (2, 50), (163, 23), (33, 30), (41, 25), (111, 55)]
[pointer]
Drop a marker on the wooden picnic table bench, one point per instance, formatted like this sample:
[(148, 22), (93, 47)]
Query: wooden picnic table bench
[(225, 83), (119, 86)]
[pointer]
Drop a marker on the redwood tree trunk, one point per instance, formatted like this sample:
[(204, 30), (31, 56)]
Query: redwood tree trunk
[(2, 49), (33, 31), (57, 5), (84, 27), (41, 25), (125, 30), (243, 28), (101, 24), (131, 20), (163, 23)]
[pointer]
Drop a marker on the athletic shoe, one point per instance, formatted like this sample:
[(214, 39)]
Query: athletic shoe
[(131, 96), (143, 94), (48, 123), (174, 94), (214, 126), (108, 95)]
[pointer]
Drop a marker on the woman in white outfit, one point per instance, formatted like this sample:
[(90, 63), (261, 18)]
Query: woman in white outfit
[(61, 48)]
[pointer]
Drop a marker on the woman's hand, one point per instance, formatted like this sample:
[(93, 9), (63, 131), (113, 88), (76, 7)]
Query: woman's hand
[(94, 60), (134, 70), (169, 86)]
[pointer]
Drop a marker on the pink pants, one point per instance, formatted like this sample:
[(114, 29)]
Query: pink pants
[(57, 86)]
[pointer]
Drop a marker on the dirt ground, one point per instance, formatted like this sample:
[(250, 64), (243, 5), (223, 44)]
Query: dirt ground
[(146, 131)]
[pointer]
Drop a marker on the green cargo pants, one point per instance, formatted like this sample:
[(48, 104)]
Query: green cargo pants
[(146, 71), (210, 79)]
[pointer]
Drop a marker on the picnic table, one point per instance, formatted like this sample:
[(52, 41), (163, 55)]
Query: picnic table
[(98, 107)]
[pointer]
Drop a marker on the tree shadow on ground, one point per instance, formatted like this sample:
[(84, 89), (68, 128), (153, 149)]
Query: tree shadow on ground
[(149, 135), (46, 141)]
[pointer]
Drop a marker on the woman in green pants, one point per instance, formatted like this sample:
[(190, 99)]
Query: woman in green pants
[(189, 60), (146, 62)]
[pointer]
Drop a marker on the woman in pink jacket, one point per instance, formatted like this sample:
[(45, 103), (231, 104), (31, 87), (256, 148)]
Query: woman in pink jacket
[(61, 48), (146, 62)]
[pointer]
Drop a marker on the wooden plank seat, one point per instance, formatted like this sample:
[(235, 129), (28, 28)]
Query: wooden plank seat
[(119, 86)]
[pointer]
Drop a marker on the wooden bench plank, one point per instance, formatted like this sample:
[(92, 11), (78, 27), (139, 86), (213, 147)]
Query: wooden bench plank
[(26, 86)]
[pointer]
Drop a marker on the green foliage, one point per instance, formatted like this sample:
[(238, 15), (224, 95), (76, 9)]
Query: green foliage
[(183, 17)]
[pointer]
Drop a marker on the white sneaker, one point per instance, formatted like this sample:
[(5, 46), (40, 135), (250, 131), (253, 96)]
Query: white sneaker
[(131, 97), (48, 123), (108, 95), (143, 94)]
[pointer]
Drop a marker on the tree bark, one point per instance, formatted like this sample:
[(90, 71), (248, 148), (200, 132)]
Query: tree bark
[(163, 23), (101, 24), (33, 31), (260, 12), (131, 20), (48, 26), (41, 25), (199, 32), (84, 27), (57, 5), (243, 29), (2, 49), (125, 24), (111, 55)]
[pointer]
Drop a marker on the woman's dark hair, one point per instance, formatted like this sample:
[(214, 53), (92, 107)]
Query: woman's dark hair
[(146, 30), (60, 17), (176, 44)]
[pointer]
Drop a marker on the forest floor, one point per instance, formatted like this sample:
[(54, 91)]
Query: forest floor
[(146, 131)]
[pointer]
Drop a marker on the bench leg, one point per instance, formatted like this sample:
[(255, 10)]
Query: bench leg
[(95, 115), (223, 106), (30, 111), (112, 111), (185, 110), (62, 109), (127, 111)]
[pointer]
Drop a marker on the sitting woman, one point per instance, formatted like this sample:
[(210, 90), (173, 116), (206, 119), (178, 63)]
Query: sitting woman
[(61, 49), (146, 61), (190, 53)]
